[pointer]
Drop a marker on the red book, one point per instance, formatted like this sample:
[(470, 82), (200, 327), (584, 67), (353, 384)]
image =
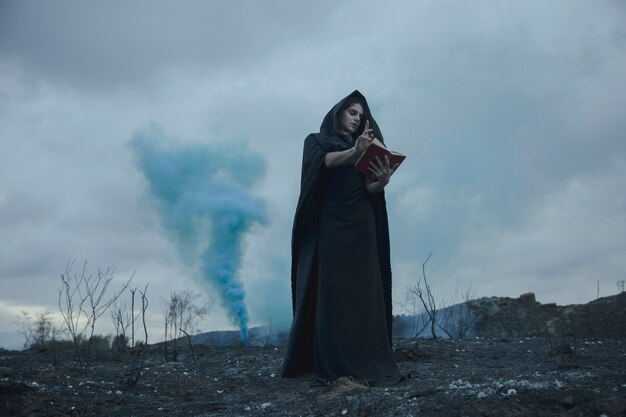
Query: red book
[(377, 149)]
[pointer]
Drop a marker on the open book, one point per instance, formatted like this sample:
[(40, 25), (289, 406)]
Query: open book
[(375, 149)]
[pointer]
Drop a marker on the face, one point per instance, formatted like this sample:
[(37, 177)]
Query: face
[(350, 118)]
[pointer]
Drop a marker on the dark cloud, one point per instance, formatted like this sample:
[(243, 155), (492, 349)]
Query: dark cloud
[(117, 42)]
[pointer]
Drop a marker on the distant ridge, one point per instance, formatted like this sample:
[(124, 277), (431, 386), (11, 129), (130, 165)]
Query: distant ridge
[(496, 317), (499, 317), (257, 336)]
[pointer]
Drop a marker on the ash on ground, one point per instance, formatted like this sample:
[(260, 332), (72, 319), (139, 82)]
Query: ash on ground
[(478, 377)]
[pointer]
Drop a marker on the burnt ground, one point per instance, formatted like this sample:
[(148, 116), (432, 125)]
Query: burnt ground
[(480, 377)]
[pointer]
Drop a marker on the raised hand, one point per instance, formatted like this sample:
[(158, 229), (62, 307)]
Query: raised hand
[(366, 138)]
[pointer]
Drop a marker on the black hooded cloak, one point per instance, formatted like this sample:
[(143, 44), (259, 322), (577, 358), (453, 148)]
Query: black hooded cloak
[(340, 271)]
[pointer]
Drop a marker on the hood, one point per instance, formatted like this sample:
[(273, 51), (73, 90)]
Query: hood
[(330, 124)]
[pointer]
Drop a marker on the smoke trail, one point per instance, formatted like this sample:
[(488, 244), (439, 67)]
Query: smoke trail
[(202, 194)]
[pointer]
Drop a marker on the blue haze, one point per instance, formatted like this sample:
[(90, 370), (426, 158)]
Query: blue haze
[(202, 193)]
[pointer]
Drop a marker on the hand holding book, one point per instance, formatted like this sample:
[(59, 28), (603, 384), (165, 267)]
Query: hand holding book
[(381, 170), (377, 159)]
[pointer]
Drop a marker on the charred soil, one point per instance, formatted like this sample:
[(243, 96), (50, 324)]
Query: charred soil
[(479, 377)]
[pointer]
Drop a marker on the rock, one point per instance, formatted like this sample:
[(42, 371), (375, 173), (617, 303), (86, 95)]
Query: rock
[(527, 299)]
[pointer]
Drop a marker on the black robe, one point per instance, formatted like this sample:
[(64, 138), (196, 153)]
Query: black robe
[(341, 272)]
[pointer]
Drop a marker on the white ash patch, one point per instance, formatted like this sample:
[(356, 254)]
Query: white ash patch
[(504, 388)]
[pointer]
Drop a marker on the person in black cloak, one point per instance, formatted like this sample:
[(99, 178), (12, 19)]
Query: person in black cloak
[(341, 271)]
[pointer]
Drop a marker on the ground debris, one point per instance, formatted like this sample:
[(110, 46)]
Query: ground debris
[(340, 387), (447, 378), (562, 350)]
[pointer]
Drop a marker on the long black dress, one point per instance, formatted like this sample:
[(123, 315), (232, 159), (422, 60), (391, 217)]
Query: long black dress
[(341, 276)]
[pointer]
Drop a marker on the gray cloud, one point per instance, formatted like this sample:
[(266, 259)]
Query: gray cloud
[(92, 44)]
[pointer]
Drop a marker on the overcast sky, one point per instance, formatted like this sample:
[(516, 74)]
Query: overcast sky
[(512, 114)]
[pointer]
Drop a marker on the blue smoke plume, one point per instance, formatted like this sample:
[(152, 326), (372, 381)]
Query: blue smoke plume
[(202, 194)]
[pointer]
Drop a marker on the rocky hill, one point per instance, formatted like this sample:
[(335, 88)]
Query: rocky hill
[(524, 316), (498, 317)]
